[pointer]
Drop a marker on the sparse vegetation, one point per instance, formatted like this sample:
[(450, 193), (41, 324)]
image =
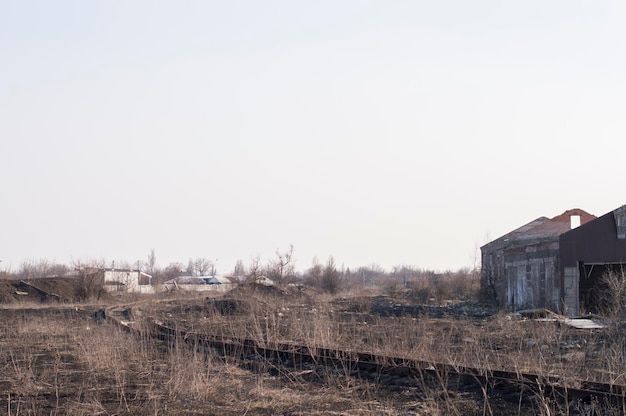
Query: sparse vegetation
[(611, 293), (58, 359)]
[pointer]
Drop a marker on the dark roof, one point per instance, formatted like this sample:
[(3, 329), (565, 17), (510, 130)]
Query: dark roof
[(548, 228)]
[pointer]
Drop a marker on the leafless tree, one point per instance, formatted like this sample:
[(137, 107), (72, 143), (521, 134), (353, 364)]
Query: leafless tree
[(313, 276), (369, 275), (4, 273), (190, 269), (57, 269), (611, 293), (122, 265), (240, 270), (330, 279), (172, 271), (31, 268), (202, 266), (254, 271), (282, 268), (90, 277), (151, 263)]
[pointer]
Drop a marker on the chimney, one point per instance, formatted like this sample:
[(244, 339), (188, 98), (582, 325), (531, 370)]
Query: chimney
[(574, 221)]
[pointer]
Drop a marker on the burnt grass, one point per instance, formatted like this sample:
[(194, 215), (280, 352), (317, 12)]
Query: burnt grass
[(60, 359)]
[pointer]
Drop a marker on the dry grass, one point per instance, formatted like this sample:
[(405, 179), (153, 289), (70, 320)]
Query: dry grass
[(61, 362), (64, 363), (496, 343)]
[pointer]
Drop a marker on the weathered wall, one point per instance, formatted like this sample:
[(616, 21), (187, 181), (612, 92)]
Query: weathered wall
[(586, 251), (523, 276), (532, 277), (596, 242), (492, 275), (127, 280)]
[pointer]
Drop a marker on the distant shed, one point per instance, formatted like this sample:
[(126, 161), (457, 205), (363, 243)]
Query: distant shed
[(200, 283), (219, 280)]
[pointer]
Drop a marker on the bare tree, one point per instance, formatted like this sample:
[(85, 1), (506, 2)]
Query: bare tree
[(57, 269), (611, 293), (240, 270), (254, 271), (313, 276), (369, 275), (282, 269), (5, 273), (90, 279), (122, 265), (189, 269), (202, 266), (27, 269), (30, 269), (172, 271), (330, 279), (151, 263)]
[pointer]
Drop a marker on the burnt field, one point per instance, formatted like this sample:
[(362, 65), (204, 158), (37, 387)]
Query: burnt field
[(69, 360)]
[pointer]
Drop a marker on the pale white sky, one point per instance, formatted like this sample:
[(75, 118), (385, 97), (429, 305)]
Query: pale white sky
[(387, 132)]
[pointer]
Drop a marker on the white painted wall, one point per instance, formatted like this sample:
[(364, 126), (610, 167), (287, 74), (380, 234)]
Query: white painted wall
[(126, 281)]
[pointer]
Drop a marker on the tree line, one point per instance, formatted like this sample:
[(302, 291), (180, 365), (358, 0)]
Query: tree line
[(329, 277)]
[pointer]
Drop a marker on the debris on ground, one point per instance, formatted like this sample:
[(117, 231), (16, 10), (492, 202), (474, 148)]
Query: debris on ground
[(546, 315)]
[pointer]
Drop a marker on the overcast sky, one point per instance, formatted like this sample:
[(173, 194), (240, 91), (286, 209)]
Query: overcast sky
[(386, 132)]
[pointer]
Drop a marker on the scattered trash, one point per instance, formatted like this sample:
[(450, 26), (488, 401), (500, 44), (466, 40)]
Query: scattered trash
[(546, 315)]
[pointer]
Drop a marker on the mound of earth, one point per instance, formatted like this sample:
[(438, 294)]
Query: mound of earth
[(40, 290)]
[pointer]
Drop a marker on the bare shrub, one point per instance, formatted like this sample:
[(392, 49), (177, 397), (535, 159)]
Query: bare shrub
[(30, 269), (391, 287), (90, 276), (611, 293), (330, 278), (460, 285), (464, 284), (421, 291), (281, 269)]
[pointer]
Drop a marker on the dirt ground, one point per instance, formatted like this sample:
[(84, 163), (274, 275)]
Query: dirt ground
[(63, 359)]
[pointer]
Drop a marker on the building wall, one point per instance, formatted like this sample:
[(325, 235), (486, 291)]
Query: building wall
[(586, 253), (558, 270), (596, 241), (523, 276), (493, 282), (128, 281), (532, 278)]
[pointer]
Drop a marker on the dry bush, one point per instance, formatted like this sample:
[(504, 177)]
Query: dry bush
[(422, 291), (460, 285), (611, 293)]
